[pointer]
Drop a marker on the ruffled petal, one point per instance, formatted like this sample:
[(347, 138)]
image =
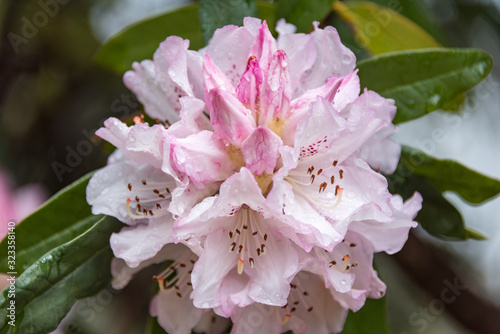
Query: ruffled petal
[(260, 150), (230, 59), (142, 81), (276, 92), (193, 119), (301, 52), (202, 157), (248, 90), (214, 78), (209, 271), (143, 241), (391, 232), (264, 46), (273, 271), (110, 188), (229, 118), (327, 44)]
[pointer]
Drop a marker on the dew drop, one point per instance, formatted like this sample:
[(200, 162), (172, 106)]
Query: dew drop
[(343, 282)]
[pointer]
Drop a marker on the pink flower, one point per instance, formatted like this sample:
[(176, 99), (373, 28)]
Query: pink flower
[(266, 166)]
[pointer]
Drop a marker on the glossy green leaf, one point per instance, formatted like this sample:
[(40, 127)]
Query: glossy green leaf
[(422, 81), (47, 290), (139, 41), (380, 29), (371, 318), (302, 13), (62, 218), (216, 14), (449, 175)]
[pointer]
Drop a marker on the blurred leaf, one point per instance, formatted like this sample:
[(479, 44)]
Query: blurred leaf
[(62, 218), (449, 175), (437, 216), (419, 12), (302, 13), (425, 80), (381, 30), (371, 319), (267, 12), (47, 290), (216, 14), (152, 327), (139, 41), (129, 45)]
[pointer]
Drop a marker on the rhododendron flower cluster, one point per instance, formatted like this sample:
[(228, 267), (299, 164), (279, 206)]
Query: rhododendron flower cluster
[(259, 188)]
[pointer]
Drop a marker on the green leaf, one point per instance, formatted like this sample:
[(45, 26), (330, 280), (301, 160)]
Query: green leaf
[(153, 327), (47, 290), (139, 41), (216, 14), (62, 218), (424, 80), (302, 13), (449, 175), (420, 13), (380, 29), (371, 318), (267, 12)]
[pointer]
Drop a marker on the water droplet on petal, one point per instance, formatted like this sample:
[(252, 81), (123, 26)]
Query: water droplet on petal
[(343, 282)]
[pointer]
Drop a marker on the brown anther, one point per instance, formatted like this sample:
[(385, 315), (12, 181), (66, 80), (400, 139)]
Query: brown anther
[(293, 286), (337, 187), (332, 180), (151, 213), (258, 251), (305, 293), (310, 309), (352, 245), (312, 178), (245, 227), (322, 187), (320, 171), (334, 163), (292, 310), (158, 206), (238, 231), (129, 187), (255, 233), (144, 182), (341, 173), (156, 191), (233, 246), (265, 236), (178, 295), (332, 263), (296, 303), (251, 261), (182, 265), (137, 199), (310, 170), (168, 190), (240, 248), (231, 234)]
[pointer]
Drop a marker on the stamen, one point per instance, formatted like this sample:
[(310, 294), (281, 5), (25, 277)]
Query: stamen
[(345, 259), (247, 239)]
